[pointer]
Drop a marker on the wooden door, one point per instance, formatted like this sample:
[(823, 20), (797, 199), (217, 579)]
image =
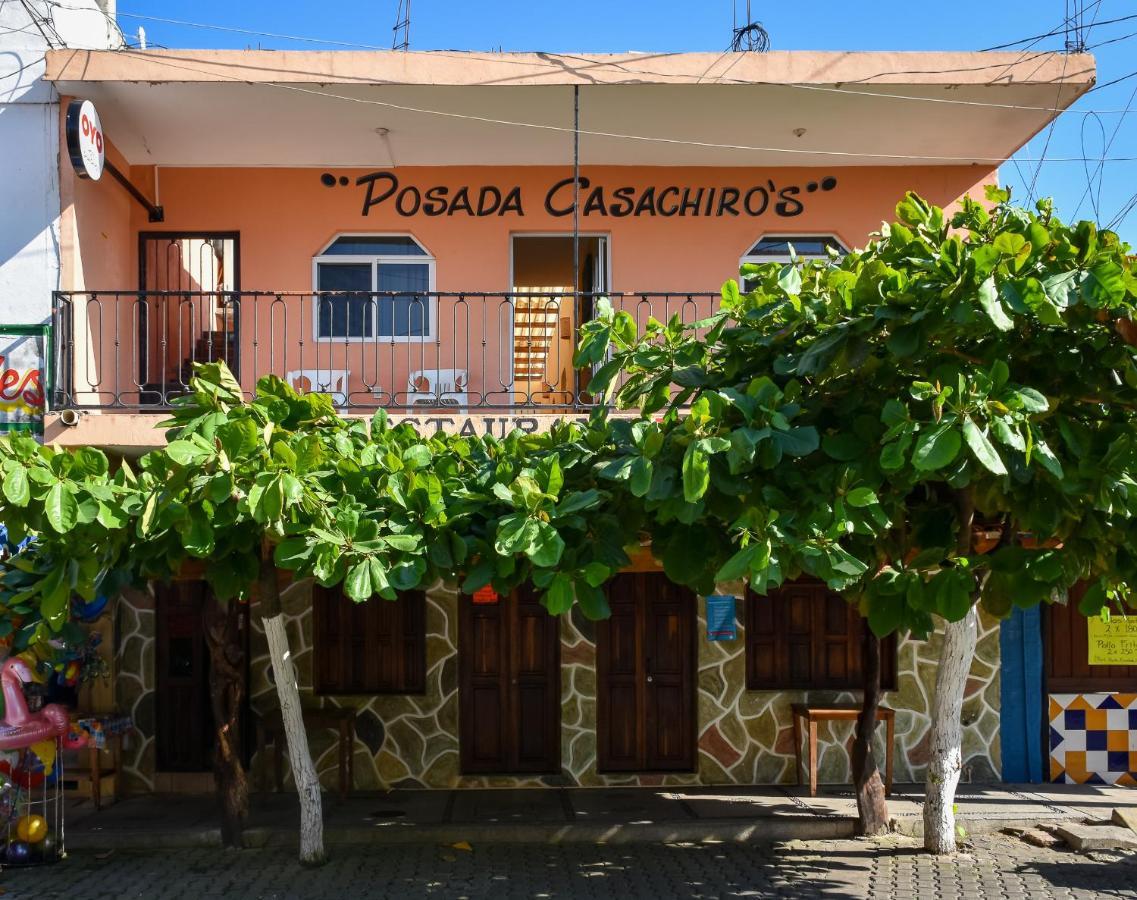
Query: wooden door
[(645, 656), (509, 704), (184, 718)]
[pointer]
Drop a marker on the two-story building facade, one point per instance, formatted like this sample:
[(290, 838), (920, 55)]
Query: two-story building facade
[(426, 232)]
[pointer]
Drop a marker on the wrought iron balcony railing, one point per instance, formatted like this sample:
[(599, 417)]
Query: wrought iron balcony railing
[(468, 350)]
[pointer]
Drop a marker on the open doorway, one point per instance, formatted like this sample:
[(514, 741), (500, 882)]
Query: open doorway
[(546, 323)]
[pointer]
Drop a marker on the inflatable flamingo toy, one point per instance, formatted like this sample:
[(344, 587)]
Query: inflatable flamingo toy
[(21, 728)]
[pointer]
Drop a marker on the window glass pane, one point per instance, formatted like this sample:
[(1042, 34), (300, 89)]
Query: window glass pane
[(803, 245), (405, 316), (374, 245), (345, 315)]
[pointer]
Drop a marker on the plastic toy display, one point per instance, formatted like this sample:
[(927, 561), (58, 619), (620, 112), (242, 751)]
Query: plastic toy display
[(31, 804), (31, 772), (20, 727)]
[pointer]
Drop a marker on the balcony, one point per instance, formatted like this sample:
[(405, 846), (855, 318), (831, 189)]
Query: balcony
[(134, 350)]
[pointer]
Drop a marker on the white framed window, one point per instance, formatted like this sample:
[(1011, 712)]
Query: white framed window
[(776, 248), (374, 287)]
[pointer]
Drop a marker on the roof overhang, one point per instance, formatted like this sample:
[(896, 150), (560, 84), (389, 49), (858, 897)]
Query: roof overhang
[(367, 109)]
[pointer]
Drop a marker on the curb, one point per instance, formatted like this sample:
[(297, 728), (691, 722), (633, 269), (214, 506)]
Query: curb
[(730, 831), (695, 831)]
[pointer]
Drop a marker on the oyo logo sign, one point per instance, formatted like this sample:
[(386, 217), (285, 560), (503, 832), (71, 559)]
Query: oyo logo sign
[(85, 140)]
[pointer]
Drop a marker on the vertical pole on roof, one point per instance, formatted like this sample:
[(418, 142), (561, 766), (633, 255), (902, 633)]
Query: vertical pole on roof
[(576, 188)]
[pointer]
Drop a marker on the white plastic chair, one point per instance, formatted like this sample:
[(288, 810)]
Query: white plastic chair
[(320, 381), (438, 387)]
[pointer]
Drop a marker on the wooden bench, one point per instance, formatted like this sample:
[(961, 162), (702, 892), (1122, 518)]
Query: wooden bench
[(836, 712)]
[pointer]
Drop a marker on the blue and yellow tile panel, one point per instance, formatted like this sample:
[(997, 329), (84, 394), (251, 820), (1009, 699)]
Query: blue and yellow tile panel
[(1093, 739)]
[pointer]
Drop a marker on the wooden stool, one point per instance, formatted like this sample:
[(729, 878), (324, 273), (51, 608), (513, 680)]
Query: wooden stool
[(337, 718), (837, 712)]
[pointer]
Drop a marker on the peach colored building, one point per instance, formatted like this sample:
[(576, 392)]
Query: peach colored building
[(399, 230)]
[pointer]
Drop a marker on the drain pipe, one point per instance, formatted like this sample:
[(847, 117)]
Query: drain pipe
[(576, 191)]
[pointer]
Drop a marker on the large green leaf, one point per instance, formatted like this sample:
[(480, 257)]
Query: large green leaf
[(861, 497), (982, 448), (515, 534), (696, 472), (546, 547), (417, 456), (989, 300), (738, 565), (886, 614), (60, 508), (640, 480), (1031, 400), (1047, 459), (559, 595), (357, 584), (16, 488), (937, 448), (951, 592), (593, 601), (292, 553), (1105, 285), (800, 440)]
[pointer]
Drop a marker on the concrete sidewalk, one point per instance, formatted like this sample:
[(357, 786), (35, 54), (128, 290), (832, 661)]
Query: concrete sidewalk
[(565, 815)]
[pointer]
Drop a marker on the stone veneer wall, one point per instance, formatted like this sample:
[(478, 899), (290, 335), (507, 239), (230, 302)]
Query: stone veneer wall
[(135, 686), (745, 737)]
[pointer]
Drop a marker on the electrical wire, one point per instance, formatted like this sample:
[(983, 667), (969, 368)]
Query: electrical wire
[(23, 68), (110, 20), (1098, 172), (234, 30), (1116, 40), (1049, 135), (1094, 198), (1102, 87), (1055, 32)]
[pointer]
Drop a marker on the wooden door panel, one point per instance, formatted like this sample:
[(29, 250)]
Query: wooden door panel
[(665, 650), (509, 687), (485, 740), (184, 733), (619, 680), (621, 636), (620, 751), (482, 697), (486, 651), (669, 651), (532, 723), (535, 686), (667, 744), (645, 676)]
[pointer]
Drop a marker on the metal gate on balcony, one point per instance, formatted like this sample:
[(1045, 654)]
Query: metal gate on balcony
[(188, 311)]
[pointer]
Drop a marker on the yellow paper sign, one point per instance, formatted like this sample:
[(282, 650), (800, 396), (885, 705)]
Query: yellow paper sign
[(1113, 643)]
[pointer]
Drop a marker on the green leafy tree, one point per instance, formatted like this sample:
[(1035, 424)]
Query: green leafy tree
[(283, 481), (860, 420)]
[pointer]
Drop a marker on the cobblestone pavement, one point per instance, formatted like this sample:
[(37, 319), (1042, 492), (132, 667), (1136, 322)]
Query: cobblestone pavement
[(995, 867)]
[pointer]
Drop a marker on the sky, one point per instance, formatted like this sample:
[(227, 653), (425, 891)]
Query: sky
[(1094, 190)]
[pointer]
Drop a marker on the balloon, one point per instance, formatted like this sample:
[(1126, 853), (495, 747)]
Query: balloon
[(46, 850), (32, 829), (88, 612), (19, 852)]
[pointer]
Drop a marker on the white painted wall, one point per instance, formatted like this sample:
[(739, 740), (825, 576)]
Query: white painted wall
[(29, 138)]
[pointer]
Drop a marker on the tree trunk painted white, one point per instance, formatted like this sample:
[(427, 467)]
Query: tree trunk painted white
[(946, 760), (303, 772)]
